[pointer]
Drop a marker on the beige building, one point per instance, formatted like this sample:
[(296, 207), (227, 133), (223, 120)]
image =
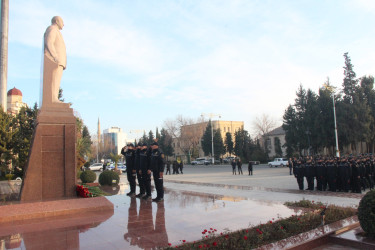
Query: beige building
[(189, 142), (270, 141), (14, 101)]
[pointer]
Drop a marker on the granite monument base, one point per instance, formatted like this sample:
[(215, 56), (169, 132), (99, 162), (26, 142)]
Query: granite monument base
[(51, 170)]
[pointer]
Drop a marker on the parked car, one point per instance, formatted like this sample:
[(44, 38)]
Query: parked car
[(199, 161), (228, 159), (96, 167), (278, 162), (120, 166)]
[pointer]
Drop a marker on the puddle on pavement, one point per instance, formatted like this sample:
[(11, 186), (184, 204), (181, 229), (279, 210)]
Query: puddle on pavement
[(139, 224)]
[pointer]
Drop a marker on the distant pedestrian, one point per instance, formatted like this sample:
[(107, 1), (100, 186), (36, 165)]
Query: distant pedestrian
[(239, 166), (234, 166), (168, 168), (290, 165), (181, 166), (250, 168)]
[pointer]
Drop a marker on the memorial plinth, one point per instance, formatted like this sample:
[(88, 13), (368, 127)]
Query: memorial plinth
[(51, 170)]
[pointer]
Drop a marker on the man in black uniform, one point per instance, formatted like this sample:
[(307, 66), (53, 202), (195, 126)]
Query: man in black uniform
[(139, 172), (299, 173), (157, 166), (250, 168), (310, 173), (129, 154), (331, 175), (145, 169)]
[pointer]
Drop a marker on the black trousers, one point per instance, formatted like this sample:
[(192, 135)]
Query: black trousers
[(158, 185), (131, 179), (146, 179), (140, 183), (300, 182), (250, 171)]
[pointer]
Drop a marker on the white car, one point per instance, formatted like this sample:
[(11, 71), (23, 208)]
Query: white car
[(96, 167), (120, 166), (278, 162)]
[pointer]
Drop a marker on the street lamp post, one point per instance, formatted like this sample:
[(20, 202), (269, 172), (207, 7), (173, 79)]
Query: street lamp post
[(332, 89), (334, 117), (211, 115)]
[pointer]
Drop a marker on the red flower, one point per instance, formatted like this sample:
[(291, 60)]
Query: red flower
[(245, 237), (281, 227), (214, 244), (183, 241), (211, 228), (260, 232), (221, 233), (270, 221), (200, 246), (206, 236), (312, 201), (298, 218), (247, 231), (226, 236), (169, 244)]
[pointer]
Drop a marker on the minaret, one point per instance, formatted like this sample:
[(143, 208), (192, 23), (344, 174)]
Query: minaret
[(99, 134), (4, 53)]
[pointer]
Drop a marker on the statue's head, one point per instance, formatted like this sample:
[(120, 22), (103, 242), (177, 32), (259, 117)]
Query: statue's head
[(58, 21)]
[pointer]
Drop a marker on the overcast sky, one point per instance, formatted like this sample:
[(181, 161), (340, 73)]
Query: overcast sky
[(134, 64)]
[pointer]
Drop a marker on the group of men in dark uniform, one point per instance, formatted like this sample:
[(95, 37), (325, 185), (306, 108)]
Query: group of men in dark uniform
[(176, 166), (238, 163), (140, 162), (336, 174)]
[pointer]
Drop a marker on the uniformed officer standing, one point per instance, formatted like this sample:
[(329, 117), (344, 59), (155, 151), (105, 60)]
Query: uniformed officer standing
[(129, 154), (332, 175), (250, 168), (145, 169), (299, 173), (157, 166), (139, 172), (310, 174)]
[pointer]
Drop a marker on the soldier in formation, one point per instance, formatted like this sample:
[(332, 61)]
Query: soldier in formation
[(345, 174), (140, 163)]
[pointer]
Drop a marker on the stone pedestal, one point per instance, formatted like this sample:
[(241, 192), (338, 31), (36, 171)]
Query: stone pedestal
[(51, 170)]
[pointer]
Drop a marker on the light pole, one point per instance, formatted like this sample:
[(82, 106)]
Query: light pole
[(332, 90), (211, 115)]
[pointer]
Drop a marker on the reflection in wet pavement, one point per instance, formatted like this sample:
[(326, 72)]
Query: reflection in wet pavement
[(139, 224)]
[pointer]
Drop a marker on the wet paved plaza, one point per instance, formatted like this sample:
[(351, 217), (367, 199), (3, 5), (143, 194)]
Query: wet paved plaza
[(202, 198)]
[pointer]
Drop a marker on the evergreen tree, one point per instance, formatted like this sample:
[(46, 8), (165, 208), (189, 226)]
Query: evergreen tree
[(165, 142), (207, 140), (23, 126), (278, 150), (219, 148), (239, 143), (6, 142), (229, 145), (157, 135), (290, 128), (349, 84), (144, 138), (150, 138)]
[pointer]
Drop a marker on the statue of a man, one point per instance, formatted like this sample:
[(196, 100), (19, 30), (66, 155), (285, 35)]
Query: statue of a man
[(54, 60)]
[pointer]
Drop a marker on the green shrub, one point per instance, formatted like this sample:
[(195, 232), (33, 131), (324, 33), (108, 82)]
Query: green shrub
[(109, 177), (79, 172), (9, 176), (88, 176), (366, 213)]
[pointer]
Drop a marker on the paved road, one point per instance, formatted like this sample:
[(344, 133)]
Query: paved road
[(266, 184), (263, 176)]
